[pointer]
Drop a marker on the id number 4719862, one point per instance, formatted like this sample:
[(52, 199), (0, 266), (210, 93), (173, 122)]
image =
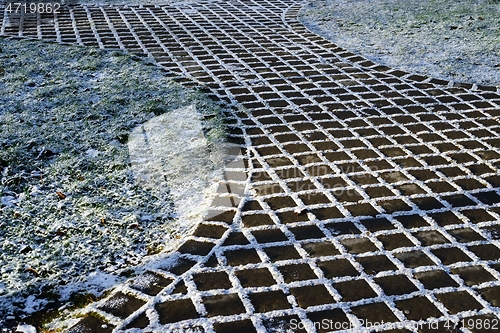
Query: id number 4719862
[(475, 323), (32, 7)]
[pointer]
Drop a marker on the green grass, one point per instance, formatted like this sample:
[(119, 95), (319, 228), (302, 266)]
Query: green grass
[(58, 104)]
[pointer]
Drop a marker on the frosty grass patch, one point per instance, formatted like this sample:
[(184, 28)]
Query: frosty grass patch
[(453, 40), (78, 207)]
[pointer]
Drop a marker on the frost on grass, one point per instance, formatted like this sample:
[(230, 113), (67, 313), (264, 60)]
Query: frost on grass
[(453, 40), (72, 213)]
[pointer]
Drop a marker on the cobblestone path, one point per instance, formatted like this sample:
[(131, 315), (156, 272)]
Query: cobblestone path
[(369, 199)]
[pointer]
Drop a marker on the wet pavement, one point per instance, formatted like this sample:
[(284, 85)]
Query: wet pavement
[(368, 200)]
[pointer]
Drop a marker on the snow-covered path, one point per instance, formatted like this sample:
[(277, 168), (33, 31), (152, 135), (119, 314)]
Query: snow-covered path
[(369, 198)]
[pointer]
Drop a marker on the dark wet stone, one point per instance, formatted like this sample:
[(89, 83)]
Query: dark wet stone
[(354, 290), (459, 301), (177, 310), (418, 308), (269, 301), (91, 324), (223, 305), (260, 277), (374, 313), (122, 305), (212, 280), (312, 295)]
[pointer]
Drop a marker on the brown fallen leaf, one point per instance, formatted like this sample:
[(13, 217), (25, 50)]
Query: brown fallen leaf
[(134, 226), (480, 18), (32, 271), (61, 195)]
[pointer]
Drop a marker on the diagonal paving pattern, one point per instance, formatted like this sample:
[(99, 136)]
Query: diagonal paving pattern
[(369, 199)]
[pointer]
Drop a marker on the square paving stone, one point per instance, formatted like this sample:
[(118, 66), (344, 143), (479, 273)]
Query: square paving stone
[(175, 311), (209, 231), (91, 323), (122, 305), (212, 280), (333, 182), (242, 257), (342, 228), (396, 285), (329, 320), (320, 249), (314, 198), (430, 237), (491, 294), (269, 236), (414, 259), (459, 301), (297, 272), (485, 251), (374, 225), (477, 215), (465, 235), (451, 255), (251, 205), (150, 283), (347, 195), (376, 264), (418, 308), (459, 200), (358, 245), (223, 305), (409, 189), (196, 247), (255, 220), (362, 209), (378, 192), (179, 266), (445, 218), (473, 275), (435, 279), (327, 213), (260, 277), (235, 326), (427, 203), (236, 238), (394, 241), (278, 253), (180, 288), (284, 324), (337, 268), (269, 301), (142, 321), (374, 313), (412, 221), (307, 232), (392, 206), (312, 295), (354, 290), (301, 185), (280, 202), (291, 217), (488, 198)]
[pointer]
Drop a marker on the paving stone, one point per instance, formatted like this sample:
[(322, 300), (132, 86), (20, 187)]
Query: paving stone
[(357, 169)]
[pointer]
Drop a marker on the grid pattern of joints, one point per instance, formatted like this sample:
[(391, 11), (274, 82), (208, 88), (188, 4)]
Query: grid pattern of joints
[(370, 196)]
